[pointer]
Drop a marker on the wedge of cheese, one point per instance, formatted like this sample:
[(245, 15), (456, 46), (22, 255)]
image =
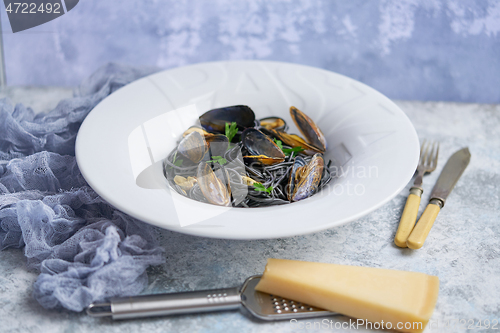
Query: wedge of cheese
[(403, 301)]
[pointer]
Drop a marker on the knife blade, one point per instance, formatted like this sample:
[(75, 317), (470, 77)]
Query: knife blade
[(447, 180)]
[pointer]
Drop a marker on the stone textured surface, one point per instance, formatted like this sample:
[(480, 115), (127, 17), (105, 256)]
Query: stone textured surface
[(463, 248), (407, 49)]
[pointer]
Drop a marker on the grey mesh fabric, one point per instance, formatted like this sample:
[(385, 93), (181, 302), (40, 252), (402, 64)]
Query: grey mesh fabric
[(84, 249)]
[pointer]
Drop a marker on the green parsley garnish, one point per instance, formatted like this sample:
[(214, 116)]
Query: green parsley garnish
[(218, 159), (288, 151), (278, 143), (231, 130), (262, 188), (176, 162)]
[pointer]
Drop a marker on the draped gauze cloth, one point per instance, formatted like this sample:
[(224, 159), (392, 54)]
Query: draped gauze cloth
[(84, 249)]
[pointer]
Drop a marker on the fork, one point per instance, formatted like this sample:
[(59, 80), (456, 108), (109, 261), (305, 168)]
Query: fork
[(428, 160)]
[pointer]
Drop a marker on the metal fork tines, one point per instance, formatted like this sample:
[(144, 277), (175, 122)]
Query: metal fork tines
[(429, 153), (427, 162)]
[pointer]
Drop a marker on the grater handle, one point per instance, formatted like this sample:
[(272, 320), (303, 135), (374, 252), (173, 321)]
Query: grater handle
[(168, 304)]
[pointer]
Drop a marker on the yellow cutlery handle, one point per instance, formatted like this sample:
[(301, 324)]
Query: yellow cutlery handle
[(408, 218), (424, 225)]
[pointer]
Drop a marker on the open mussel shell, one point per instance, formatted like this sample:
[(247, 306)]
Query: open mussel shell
[(222, 174), (215, 120), (261, 147), (262, 159), (275, 123), (193, 146), (213, 188), (217, 144), (309, 179), (196, 129), (309, 129), (295, 174), (293, 141)]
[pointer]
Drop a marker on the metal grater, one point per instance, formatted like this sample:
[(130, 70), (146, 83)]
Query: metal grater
[(261, 305)]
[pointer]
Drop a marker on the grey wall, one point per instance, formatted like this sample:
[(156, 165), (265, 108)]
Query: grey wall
[(407, 49)]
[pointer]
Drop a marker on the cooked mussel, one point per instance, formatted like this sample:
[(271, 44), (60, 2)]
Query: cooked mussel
[(262, 159), (215, 120), (213, 188), (261, 148), (193, 146), (222, 174), (185, 183), (309, 129), (295, 174), (196, 129), (293, 141), (248, 181), (217, 143), (275, 123), (309, 179)]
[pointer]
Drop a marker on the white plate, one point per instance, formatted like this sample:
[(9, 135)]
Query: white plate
[(121, 143)]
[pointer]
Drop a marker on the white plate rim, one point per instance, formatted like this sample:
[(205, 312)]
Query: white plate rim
[(207, 232)]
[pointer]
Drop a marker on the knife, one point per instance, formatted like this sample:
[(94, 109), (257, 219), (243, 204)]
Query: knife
[(447, 179)]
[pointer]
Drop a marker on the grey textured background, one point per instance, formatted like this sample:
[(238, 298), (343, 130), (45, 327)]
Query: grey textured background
[(407, 49)]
